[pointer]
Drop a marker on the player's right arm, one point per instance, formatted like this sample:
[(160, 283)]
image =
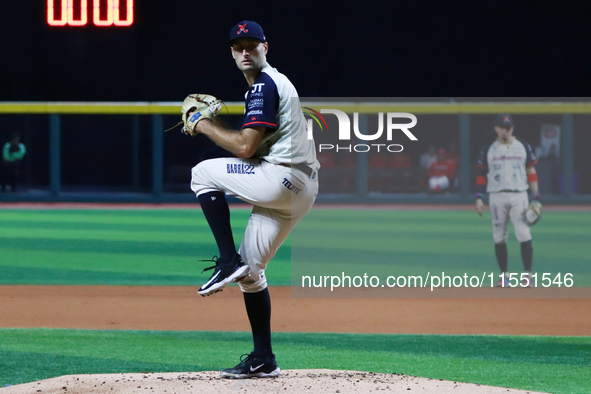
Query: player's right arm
[(261, 111), (481, 178), (243, 143)]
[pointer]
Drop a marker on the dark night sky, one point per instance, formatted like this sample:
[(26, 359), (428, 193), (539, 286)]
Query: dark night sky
[(346, 49)]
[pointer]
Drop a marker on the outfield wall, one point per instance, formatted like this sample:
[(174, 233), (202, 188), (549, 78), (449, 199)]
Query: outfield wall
[(117, 152)]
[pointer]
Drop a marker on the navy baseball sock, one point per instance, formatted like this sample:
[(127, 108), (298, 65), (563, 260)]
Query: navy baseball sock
[(502, 256), (216, 211), (258, 308), (527, 255)]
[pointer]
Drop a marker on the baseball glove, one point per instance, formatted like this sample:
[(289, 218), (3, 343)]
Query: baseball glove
[(197, 107), (533, 213)]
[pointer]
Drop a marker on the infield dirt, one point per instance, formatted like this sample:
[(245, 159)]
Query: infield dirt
[(179, 308)]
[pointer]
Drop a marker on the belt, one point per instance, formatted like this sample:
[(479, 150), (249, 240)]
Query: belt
[(300, 167), (509, 191)]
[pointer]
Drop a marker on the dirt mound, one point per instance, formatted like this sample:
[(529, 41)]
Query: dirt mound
[(290, 382)]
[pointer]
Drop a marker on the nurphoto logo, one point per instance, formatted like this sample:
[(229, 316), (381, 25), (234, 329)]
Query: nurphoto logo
[(344, 130)]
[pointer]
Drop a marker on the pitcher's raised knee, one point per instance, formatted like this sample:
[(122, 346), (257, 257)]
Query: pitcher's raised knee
[(200, 182)]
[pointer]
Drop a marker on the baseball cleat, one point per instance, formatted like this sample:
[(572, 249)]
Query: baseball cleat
[(527, 282), (212, 292), (253, 366), (229, 272), (503, 283)]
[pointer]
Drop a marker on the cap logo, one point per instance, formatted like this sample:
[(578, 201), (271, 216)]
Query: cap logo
[(506, 119), (242, 28)]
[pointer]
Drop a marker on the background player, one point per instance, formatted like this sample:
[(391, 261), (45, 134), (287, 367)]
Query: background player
[(275, 170), (12, 158), (505, 168)]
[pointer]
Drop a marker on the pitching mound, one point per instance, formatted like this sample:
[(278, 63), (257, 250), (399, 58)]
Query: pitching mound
[(290, 382)]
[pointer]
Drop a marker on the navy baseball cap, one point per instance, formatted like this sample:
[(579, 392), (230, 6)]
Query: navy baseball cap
[(247, 29), (504, 120)]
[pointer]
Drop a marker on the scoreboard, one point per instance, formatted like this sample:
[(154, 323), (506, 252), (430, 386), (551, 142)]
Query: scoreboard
[(76, 12)]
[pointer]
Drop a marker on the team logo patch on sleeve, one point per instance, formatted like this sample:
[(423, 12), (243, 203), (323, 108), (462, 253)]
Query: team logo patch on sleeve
[(240, 169), (256, 103), (257, 87)]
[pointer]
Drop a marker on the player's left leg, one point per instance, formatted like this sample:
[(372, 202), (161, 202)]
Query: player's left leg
[(211, 180), (523, 234)]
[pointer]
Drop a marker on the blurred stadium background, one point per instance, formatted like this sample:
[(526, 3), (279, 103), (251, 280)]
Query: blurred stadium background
[(117, 152)]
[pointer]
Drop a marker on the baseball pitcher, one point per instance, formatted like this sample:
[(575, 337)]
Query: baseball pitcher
[(275, 170)]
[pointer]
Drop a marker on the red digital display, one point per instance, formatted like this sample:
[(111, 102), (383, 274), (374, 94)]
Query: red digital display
[(104, 12)]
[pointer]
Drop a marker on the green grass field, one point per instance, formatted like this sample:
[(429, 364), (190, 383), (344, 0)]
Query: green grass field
[(384, 243), (551, 364), (162, 247)]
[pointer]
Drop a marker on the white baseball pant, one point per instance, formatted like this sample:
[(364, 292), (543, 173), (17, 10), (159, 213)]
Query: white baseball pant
[(281, 197), (505, 206)]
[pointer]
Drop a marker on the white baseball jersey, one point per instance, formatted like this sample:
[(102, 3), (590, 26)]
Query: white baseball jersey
[(272, 101), (507, 165)]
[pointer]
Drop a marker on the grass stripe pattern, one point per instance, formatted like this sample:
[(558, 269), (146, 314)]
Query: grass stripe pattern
[(164, 246)]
